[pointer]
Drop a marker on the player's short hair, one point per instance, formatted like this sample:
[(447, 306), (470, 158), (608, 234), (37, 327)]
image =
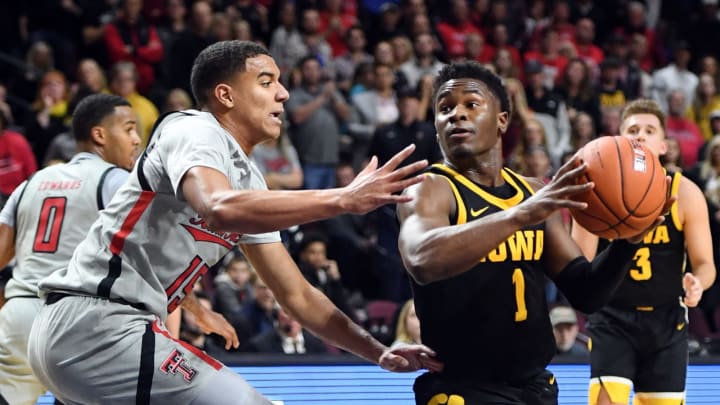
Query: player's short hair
[(218, 62), (643, 106), (474, 70), (91, 111)]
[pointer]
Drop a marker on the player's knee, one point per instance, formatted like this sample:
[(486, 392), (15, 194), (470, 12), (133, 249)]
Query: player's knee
[(609, 391)]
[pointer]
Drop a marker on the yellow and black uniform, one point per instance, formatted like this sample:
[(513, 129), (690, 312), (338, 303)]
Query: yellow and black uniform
[(640, 337), (489, 325)]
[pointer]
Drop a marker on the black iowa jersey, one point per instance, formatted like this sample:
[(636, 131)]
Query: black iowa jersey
[(491, 322), (655, 276)]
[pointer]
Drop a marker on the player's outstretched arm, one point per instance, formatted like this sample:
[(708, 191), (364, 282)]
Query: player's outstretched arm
[(696, 228), (255, 211), (7, 244), (432, 249), (320, 316)]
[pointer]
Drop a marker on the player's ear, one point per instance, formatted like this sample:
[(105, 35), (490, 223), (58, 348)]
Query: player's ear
[(503, 121), (663, 147), (98, 135), (223, 94)]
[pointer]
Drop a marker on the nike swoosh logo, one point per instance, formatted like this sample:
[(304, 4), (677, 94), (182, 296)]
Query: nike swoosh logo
[(474, 212), (681, 325)]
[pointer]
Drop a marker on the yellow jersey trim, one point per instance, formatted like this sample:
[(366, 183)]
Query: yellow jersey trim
[(461, 211), (502, 203), (674, 187)]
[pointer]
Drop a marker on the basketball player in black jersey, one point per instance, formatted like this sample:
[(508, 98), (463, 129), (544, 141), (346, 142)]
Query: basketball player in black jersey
[(478, 239), (640, 337)]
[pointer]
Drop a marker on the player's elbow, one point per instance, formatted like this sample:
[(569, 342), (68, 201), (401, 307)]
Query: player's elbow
[(418, 269)]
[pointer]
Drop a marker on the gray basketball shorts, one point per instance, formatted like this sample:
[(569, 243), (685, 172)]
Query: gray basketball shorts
[(89, 350)]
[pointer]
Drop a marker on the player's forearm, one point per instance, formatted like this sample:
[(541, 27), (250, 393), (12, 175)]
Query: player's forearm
[(706, 273), (318, 315), (590, 286), (7, 244), (258, 211), (448, 251)]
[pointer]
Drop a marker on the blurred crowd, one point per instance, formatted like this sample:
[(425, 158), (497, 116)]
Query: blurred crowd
[(360, 77)]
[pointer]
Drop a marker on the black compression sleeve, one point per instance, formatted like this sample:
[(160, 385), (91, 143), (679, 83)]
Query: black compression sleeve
[(589, 286)]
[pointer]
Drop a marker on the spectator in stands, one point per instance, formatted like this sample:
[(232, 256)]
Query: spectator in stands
[(585, 43), (49, 115), (313, 41), (582, 131), (675, 76), (279, 163), (402, 49), (672, 159), (254, 13), (91, 75), (335, 21), (286, 42), (321, 272), (706, 101), (346, 64), (258, 315), (286, 337), (123, 81), (638, 82), (17, 161), (477, 48), (386, 24), (232, 287), (454, 29), (316, 111), (549, 108), (131, 38), (372, 109), (408, 325), (610, 89), (565, 328), (177, 100), (500, 40), (536, 163), (38, 62), (684, 130), (549, 57), (576, 89), (188, 44)]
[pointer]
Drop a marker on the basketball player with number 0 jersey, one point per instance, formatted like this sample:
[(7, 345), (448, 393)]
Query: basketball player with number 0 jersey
[(640, 339), (191, 198), (45, 219)]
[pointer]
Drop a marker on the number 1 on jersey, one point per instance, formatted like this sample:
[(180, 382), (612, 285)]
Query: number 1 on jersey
[(50, 222), (519, 281)]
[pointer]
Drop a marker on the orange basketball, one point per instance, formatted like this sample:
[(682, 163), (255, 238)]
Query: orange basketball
[(630, 188)]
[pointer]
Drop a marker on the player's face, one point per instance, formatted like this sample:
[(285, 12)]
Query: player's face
[(122, 145), (468, 120), (647, 130), (258, 98)]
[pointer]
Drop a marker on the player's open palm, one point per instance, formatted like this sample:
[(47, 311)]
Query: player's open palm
[(405, 358), (556, 194), (376, 186), (213, 322)]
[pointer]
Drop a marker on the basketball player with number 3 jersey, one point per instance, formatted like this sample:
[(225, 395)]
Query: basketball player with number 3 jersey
[(640, 339), (46, 218), (192, 197)]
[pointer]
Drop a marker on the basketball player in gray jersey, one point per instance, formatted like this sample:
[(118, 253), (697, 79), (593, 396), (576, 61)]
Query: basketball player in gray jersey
[(192, 197), (46, 218)]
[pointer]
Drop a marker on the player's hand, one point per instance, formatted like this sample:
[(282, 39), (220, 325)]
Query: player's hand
[(407, 358), (557, 194), (213, 322), (374, 187), (693, 290), (660, 219)]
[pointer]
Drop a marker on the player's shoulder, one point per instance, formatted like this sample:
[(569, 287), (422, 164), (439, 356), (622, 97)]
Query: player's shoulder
[(189, 125), (687, 188)]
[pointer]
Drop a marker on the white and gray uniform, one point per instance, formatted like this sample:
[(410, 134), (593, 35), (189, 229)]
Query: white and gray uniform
[(106, 342), (51, 214)]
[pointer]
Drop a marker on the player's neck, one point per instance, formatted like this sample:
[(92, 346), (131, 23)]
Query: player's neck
[(481, 171), (236, 132)]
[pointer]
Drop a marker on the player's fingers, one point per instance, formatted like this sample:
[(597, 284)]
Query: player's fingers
[(399, 157), (573, 164), (403, 184), (431, 364), (576, 188), (405, 171)]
